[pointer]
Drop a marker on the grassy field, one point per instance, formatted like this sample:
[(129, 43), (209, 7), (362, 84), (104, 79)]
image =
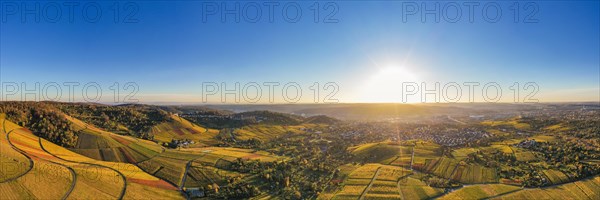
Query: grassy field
[(383, 190), (12, 163), (585, 189), (391, 153), (479, 191), (205, 162), (383, 152), (464, 173), (356, 179), (265, 132), (411, 188), (18, 182), (95, 179), (514, 123), (555, 176), (180, 128), (103, 145), (462, 153)]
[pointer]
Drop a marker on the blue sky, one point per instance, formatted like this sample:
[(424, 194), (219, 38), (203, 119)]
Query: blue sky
[(170, 51)]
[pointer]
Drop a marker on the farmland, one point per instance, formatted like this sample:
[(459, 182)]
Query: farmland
[(584, 189), (412, 188), (206, 164), (102, 145), (264, 132), (464, 173), (511, 123), (180, 128), (94, 179), (291, 160), (480, 191)]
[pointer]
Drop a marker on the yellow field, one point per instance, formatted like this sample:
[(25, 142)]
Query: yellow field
[(265, 132), (98, 144), (511, 122), (411, 188), (35, 183), (480, 191), (12, 163), (383, 190), (555, 176), (366, 171), (99, 181), (391, 173), (586, 189), (453, 169), (462, 153), (180, 128)]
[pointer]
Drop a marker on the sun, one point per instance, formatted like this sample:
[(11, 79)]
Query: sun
[(385, 85)]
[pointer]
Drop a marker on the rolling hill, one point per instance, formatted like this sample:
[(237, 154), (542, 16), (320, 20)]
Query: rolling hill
[(180, 128), (54, 172)]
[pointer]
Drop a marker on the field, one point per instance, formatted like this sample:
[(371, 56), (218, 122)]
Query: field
[(555, 176), (357, 181), (59, 167), (383, 190), (384, 152), (391, 153), (35, 183), (180, 128), (265, 132), (103, 145), (207, 164), (464, 173), (514, 123), (12, 163), (462, 153), (480, 191), (585, 189), (383, 181), (411, 188)]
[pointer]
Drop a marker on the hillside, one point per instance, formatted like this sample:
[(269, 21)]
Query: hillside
[(98, 144), (179, 128), (53, 172)]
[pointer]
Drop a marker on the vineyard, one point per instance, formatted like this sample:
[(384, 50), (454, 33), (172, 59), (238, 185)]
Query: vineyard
[(480, 191), (72, 175)]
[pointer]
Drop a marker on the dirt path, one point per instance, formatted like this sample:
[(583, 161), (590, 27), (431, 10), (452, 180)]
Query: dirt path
[(364, 193)]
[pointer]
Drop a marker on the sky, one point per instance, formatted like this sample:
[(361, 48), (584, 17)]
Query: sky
[(300, 51)]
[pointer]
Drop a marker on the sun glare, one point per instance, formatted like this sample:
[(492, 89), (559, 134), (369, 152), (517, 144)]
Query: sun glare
[(385, 85)]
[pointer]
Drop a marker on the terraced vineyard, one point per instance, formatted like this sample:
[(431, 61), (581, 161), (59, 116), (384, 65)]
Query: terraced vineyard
[(265, 132), (585, 189), (102, 145), (480, 191), (180, 128), (412, 188), (70, 174), (464, 173)]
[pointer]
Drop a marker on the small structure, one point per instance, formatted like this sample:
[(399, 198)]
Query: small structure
[(194, 192)]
